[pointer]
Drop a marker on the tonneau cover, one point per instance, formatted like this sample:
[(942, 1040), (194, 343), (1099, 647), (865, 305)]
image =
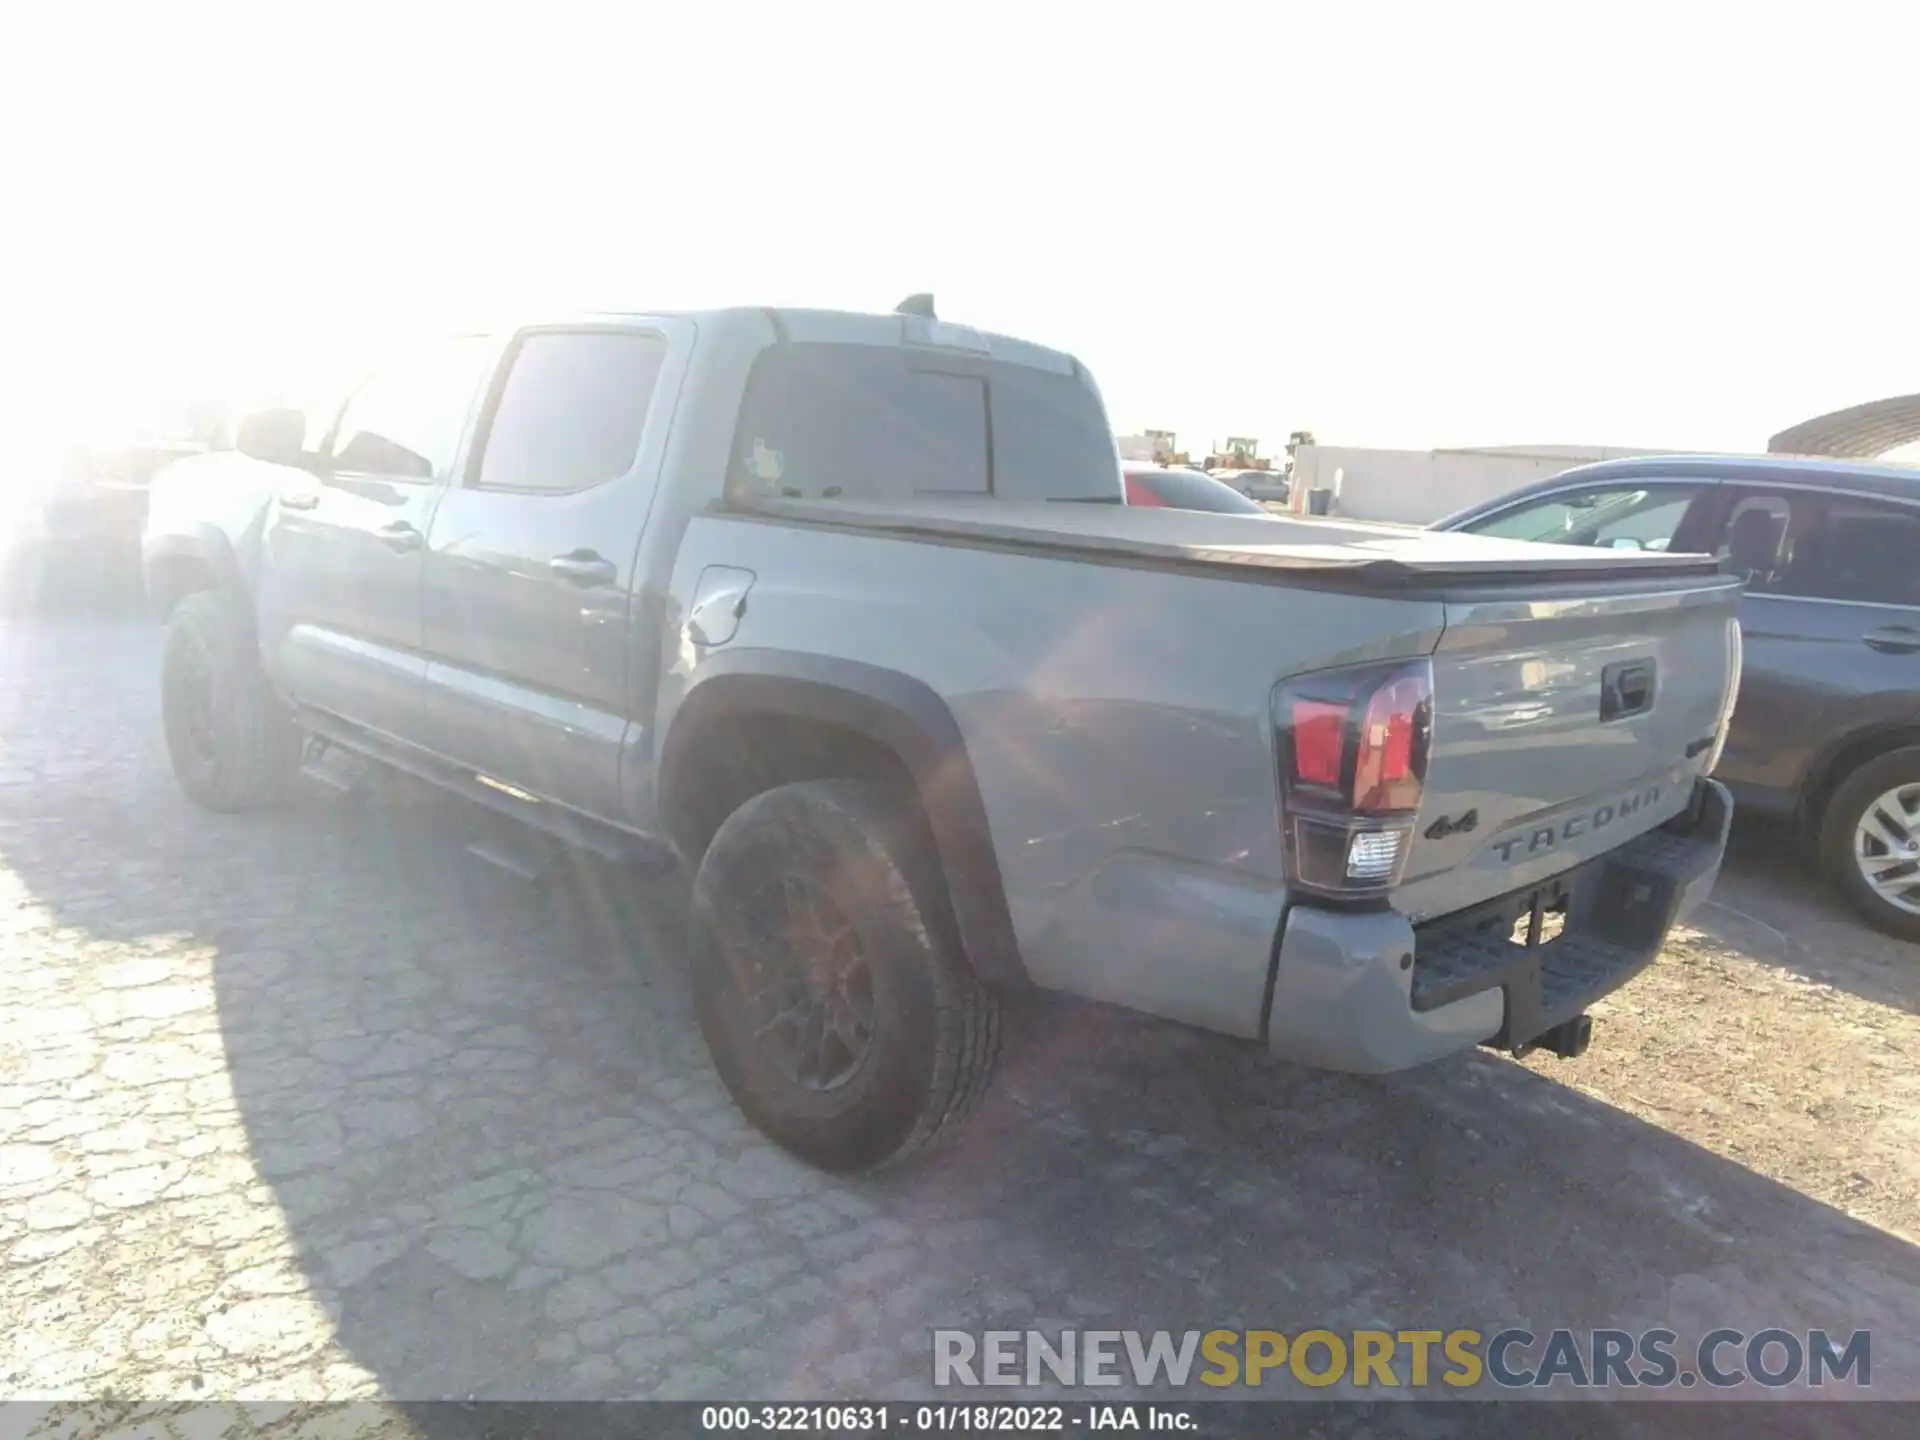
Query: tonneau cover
[(1339, 551)]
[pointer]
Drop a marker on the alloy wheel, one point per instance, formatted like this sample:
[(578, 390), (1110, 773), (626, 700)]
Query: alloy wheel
[(1886, 847)]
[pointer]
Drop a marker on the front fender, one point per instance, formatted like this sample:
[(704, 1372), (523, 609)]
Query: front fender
[(206, 517), (179, 562)]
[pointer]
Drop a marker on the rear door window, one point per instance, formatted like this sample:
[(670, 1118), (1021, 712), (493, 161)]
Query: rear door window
[(826, 421), (1858, 551), (571, 411)]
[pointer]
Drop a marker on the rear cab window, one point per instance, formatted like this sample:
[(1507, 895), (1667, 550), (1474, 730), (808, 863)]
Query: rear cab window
[(830, 420)]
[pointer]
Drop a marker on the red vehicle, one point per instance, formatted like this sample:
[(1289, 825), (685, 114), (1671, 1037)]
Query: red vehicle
[(1185, 490)]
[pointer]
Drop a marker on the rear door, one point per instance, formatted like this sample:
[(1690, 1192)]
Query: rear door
[(530, 564), (1831, 620), (340, 598)]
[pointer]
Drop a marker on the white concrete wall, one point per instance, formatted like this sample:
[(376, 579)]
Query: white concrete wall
[(1417, 487)]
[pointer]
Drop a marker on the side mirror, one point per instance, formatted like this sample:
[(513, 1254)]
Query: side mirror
[(276, 436)]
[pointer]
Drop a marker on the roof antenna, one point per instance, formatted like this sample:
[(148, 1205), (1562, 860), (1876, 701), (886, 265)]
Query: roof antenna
[(916, 305)]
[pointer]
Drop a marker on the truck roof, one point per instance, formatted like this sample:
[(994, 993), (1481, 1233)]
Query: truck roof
[(820, 326), (1887, 477)]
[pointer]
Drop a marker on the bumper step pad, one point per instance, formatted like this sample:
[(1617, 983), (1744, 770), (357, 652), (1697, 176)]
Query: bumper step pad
[(1616, 909)]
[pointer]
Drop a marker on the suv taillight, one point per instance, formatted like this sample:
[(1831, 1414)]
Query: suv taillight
[(1353, 764)]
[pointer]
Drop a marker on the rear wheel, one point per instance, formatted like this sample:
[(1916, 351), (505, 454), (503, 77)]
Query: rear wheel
[(1870, 841), (232, 744), (830, 986)]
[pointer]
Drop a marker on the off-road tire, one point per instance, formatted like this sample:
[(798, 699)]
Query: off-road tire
[(242, 751), (1865, 785), (935, 1027)]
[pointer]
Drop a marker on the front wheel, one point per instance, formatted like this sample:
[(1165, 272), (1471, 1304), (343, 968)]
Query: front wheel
[(829, 982), (1870, 841), (232, 744)]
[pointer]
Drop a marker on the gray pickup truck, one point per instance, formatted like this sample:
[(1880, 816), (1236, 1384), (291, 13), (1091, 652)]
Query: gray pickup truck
[(845, 612)]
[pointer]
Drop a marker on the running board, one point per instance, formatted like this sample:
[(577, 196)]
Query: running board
[(333, 766), (525, 856), (555, 821)]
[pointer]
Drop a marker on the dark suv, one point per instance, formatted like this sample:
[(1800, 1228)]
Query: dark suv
[(1828, 726)]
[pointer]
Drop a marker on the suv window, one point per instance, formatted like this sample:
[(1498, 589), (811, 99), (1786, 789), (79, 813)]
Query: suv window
[(571, 410), (1857, 550), (864, 422), (1757, 535), (405, 421), (1643, 516)]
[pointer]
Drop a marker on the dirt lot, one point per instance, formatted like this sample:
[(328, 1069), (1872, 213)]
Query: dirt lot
[(1779, 1033), (309, 1106)]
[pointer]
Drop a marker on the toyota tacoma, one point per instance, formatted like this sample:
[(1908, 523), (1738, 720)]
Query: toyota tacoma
[(848, 614)]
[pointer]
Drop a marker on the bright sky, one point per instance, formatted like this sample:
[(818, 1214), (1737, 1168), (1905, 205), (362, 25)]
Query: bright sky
[(1682, 225)]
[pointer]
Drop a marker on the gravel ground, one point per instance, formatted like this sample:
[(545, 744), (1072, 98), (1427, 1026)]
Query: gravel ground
[(312, 1107), (1797, 1052)]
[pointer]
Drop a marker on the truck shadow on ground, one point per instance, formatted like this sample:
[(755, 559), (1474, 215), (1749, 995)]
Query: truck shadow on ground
[(502, 1167)]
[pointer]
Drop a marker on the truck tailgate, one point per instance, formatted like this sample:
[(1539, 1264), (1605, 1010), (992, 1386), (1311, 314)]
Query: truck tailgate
[(1564, 725)]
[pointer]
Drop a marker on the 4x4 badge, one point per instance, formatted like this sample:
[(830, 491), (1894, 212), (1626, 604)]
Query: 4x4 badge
[(1443, 827)]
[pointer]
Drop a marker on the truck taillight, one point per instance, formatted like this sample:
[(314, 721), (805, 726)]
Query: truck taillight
[(1353, 748), (1319, 742)]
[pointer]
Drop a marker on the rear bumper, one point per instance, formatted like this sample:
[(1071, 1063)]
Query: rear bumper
[(1369, 992)]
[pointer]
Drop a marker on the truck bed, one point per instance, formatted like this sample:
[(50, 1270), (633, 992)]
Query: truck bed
[(1324, 553)]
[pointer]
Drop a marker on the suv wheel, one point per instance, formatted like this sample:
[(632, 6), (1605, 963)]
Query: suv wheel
[(232, 744), (829, 980), (1870, 841)]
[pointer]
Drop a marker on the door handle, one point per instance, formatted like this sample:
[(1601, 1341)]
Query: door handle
[(300, 500), (1894, 639), (583, 567), (399, 536)]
